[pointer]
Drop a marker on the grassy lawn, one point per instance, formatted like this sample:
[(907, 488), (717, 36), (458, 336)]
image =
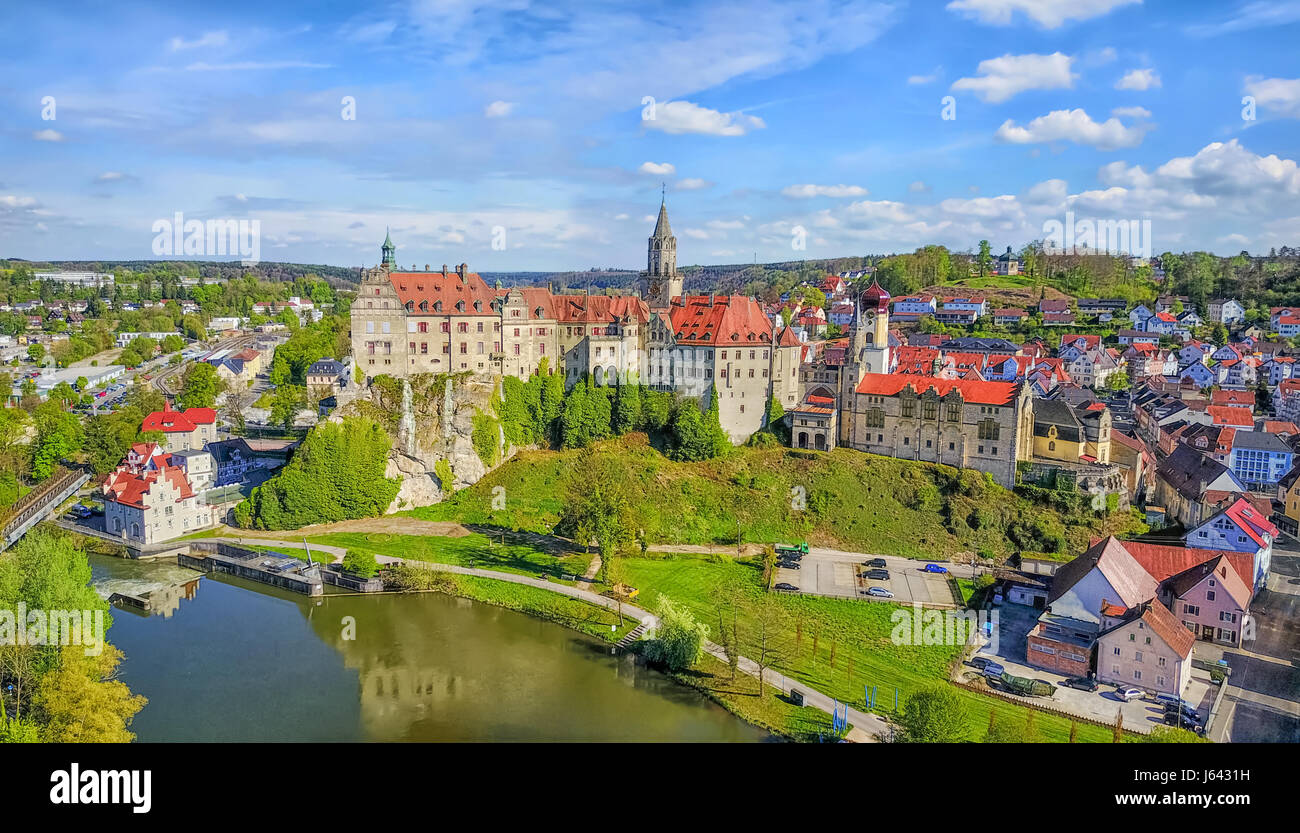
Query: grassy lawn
[(967, 588), (846, 499), (858, 632), (740, 697), (474, 550)]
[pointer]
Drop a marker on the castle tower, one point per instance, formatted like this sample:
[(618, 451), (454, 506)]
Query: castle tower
[(662, 284), (868, 352), (390, 251)]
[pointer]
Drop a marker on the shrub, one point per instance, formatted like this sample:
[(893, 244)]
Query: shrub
[(360, 563)]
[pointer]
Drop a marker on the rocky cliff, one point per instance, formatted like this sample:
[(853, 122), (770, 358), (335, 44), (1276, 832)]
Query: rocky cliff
[(444, 430)]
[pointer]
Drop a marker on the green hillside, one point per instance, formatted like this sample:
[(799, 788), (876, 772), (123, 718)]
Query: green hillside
[(844, 499)]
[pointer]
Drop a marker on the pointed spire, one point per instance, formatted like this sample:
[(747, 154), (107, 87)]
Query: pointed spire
[(662, 229)]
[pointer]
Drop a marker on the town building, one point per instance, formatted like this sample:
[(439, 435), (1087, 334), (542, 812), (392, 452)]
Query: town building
[(191, 429), (148, 499)]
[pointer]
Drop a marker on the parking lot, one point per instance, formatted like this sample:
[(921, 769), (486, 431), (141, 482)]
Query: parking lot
[(843, 575), (1013, 624)]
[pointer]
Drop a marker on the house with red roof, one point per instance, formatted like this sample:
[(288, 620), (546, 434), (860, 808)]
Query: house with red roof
[(1240, 528), (149, 499), (961, 422), (186, 430), (1146, 647)]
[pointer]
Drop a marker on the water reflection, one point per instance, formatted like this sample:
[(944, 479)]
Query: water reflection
[(246, 662)]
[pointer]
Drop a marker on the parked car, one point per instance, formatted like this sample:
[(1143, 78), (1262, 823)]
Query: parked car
[(784, 586), (1128, 693), (1186, 710), (979, 663), (878, 575), (1082, 683), (879, 592), (993, 669), (934, 568), (876, 562), (1171, 700), (1182, 721)]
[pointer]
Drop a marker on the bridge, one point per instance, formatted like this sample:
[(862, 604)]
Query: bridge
[(36, 505)]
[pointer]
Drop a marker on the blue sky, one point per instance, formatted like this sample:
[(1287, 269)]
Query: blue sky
[(768, 117)]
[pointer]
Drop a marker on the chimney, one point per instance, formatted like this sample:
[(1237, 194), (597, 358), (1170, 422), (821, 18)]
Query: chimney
[(426, 267), (460, 270), (710, 298), (444, 270)]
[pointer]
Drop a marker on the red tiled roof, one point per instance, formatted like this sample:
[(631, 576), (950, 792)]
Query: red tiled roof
[(1241, 398), (1158, 618), (1162, 561), (602, 309), (985, 393), (719, 320), (1251, 521), (1273, 426), (169, 421), (1231, 415), (129, 488), (414, 287)]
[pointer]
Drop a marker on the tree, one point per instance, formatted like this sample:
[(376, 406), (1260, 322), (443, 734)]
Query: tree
[(58, 436), (1010, 733), (1118, 381), (985, 258), (201, 387), (286, 402), (360, 563), (934, 714), (172, 343), (1172, 734), (50, 692), (766, 641), (598, 506), (679, 641), (336, 474), (36, 352)]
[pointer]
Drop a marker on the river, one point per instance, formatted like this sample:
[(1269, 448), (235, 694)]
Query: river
[(232, 660)]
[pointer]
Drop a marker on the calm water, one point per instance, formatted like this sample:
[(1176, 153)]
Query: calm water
[(236, 661)]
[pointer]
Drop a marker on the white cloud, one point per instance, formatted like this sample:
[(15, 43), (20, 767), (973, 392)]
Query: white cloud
[(1253, 15), (803, 192), (658, 168), (1051, 192), (1131, 112), (726, 225), (678, 117), (919, 187), (47, 135), (1239, 239), (1001, 78), (374, 32), (10, 201), (1073, 126), (926, 79), (207, 39), (620, 216), (693, 184), (1138, 79), (1280, 95), (1046, 13), (696, 234), (498, 109), (112, 176)]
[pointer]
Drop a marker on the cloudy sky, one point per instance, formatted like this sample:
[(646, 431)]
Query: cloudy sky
[(550, 128)]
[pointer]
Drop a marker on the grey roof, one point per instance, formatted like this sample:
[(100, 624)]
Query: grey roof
[(1188, 471), (1122, 571), (974, 344), (662, 229), (324, 366), (1260, 441)]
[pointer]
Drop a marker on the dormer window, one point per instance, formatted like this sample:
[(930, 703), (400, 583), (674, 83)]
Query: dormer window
[(460, 306), (437, 306)]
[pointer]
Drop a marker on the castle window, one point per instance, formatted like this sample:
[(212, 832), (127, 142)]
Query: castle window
[(1051, 446), (423, 327), (424, 347), (875, 418), (930, 409), (908, 405)]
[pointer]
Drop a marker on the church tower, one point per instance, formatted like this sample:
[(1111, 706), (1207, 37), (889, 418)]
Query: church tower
[(390, 251), (662, 284), (868, 352)]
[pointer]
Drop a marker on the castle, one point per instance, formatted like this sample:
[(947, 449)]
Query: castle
[(406, 323), (919, 413)]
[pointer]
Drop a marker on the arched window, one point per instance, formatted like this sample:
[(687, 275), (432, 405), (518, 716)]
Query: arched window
[(1051, 446)]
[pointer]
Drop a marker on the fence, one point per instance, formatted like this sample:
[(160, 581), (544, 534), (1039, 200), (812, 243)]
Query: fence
[(1037, 706)]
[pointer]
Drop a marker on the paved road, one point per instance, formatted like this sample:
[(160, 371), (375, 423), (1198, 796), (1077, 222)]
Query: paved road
[(1262, 703), (868, 724)]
